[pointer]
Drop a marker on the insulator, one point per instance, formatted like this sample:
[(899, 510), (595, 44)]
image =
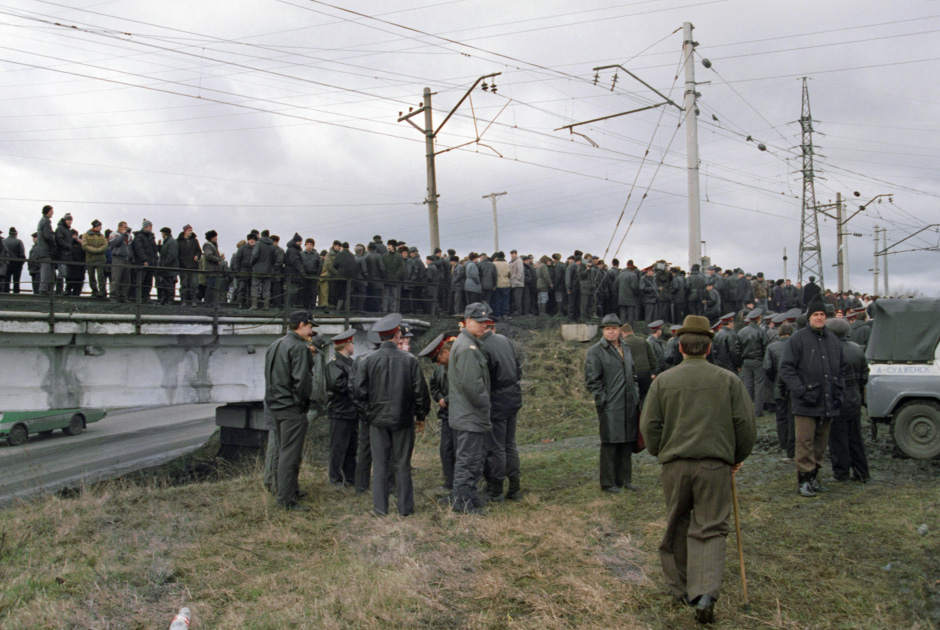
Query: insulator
[(706, 63), (761, 147), (597, 77), (485, 86), (493, 89)]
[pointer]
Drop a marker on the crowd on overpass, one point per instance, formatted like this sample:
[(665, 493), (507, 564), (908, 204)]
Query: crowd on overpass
[(380, 276)]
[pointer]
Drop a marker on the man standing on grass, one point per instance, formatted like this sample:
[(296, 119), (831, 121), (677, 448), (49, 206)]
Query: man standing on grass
[(392, 391), (438, 351), (813, 368), (469, 381), (699, 422), (288, 385), (502, 454), (608, 375), (344, 419)]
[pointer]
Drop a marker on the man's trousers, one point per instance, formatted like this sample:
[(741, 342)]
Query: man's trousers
[(698, 504)]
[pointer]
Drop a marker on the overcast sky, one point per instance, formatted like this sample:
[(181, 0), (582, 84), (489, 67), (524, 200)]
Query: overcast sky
[(282, 114)]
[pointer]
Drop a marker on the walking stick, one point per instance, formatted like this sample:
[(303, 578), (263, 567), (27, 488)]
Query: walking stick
[(737, 531)]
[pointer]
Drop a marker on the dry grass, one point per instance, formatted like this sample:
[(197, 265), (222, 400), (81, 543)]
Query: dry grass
[(127, 554)]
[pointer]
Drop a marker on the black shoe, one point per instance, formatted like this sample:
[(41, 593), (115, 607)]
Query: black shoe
[(804, 487), (814, 482), (841, 478), (630, 486), (612, 489), (705, 609)]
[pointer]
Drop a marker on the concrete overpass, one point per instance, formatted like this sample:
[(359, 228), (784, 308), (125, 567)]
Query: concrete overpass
[(91, 359)]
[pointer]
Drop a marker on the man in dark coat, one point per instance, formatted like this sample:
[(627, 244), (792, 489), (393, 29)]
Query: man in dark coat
[(846, 447), (502, 454), (699, 423), (17, 253), (263, 258), (628, 293), (785, 431), (344, 419), (696, 287), (241, 267), (754, 342), (391, 390), (573, 288), (346, 267), (648, 293), (608, 375), (190, 253), (813, 368), (169, 261), (487, 278), (726, 348), (312, 267), (811, 290), (63, 249), (438, 351), (711, 302), (470, 420), (293, 270), (288, 385), (644, 359), (46, 252), (144, 247)]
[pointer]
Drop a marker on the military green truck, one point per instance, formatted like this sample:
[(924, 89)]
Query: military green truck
[(904, 381), (16, 426)]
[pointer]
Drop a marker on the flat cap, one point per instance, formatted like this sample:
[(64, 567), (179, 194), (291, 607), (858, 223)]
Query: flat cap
[(300, 317), (478, 312), (610, 320)]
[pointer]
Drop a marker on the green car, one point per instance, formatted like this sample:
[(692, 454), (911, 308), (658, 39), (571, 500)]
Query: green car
[(15, 426)]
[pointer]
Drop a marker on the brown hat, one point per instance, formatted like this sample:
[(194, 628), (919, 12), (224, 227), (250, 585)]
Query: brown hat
[(696, 324)]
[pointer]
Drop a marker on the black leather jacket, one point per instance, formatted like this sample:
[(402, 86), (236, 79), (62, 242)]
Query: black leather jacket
[(391, 389)]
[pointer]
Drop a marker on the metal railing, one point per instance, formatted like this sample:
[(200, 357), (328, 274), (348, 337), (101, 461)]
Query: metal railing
[(227, 293)]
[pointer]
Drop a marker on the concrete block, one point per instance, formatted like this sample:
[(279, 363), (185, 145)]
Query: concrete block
[(578, 332)]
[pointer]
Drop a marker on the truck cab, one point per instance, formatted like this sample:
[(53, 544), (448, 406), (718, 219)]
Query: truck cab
[(903, 390)]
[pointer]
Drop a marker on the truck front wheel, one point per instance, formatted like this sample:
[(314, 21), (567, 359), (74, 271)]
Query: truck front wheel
[(916, 429)]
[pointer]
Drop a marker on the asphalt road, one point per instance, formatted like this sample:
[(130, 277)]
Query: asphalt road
[(124, 441)]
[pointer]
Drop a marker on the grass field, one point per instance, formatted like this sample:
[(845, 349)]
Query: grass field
[(128, 553)]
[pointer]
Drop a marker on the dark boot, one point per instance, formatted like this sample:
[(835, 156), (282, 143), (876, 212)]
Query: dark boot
[(705, 609), (515, 491), (814, 482), (804, 487), (494, 492)]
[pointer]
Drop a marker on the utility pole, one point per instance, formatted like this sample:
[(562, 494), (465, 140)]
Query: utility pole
[(494, 197), (810, 250), (431, 199), (430, 133), (841, 254), (884, 248), (875, 269), (691, 143)]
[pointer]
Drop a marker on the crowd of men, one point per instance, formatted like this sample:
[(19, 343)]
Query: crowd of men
[(378, 277), (379, 400)]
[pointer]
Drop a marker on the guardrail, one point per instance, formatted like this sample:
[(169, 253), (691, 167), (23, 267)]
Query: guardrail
[(227, 293)]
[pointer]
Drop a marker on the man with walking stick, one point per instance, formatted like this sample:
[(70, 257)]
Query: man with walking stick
[(698, 420)]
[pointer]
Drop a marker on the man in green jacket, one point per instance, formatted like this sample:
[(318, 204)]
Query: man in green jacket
[(698, 421), (96, 246), (469, 389), (608, 375), (288, 384)]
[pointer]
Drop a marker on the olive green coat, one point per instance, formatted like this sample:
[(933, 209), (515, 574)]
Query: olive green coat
[(610, 379), (698, 410)]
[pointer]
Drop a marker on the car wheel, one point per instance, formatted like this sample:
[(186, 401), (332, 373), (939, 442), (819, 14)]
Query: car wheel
[(18, 435), (76, 424), (916, 429)]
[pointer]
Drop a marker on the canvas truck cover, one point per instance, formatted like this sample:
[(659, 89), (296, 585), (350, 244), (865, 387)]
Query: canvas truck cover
[(904, 330)]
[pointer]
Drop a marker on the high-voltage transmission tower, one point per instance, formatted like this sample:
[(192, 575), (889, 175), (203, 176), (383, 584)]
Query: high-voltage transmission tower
[(810, 250)]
